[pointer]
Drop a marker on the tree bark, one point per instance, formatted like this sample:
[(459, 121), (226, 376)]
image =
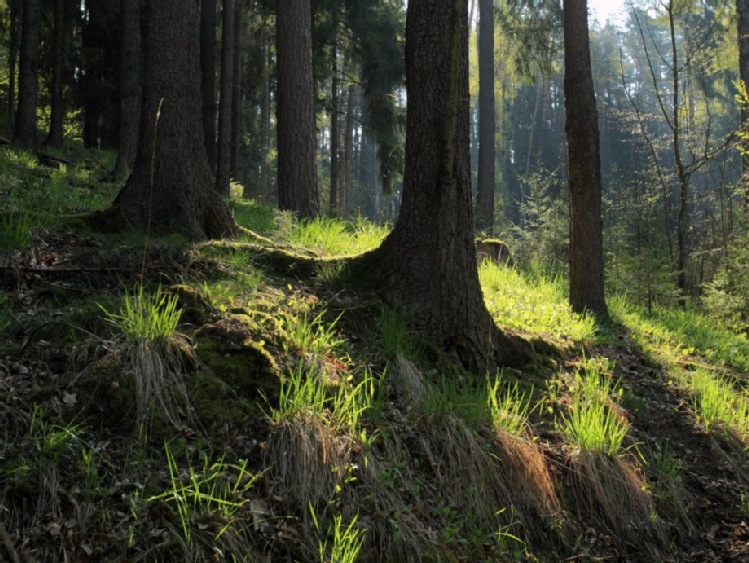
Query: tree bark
[(348, 152), (426, 267), (265, 117), (225, 107), (334, 134), (15, 10), (236, 93), (129, 87), (24, 136), (742, 13), (584, 170), (54, 137), (172, 187), (297, 178), (487, 127), (208, 21)]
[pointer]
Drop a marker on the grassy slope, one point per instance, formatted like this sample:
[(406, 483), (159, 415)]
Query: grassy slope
[(313, 422)]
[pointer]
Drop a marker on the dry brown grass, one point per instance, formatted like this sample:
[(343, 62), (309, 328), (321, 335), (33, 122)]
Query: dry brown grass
[(609, 489)]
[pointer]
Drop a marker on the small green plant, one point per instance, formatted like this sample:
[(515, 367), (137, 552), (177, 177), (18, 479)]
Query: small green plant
[(334, 237), (217, 489), (155, 352), (396, 338), (509, 407), (668, 467), (306, 392), (466, 399), (15, 230), (311, 334), (591, 423), (718, 402), (345, 541)]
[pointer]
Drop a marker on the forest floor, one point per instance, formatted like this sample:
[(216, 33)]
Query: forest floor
[(289, 417)]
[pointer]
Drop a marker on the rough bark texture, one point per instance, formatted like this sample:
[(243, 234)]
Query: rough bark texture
[(297, 178), (54, 137), (426, 267), (208, 22), (485, 178), (225, 109), (24, 136), (348, 152), (265, 115), (742, 13), (334, 134), (236, 93), (15, 13), (129, 87), (586, 226), (172, 188)]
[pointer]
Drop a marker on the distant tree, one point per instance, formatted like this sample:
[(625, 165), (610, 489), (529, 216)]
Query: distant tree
[(227, 89), (237, 91), (295, 109), (172, 187), (426, 267), (487, 127), (14, 19), (129, 87), (584, 170), (54, 137), (208, 22), (742, 17), (24, 136)]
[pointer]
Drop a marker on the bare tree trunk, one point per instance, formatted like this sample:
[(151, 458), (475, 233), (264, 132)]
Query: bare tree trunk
[(129, 87), (295, 109), (742, 12), (236, 102), (54, 137), (24, 136), (15, 12), (586, 225), (208, 22), (348, 151), (172, 187), (426, 267), (334, 134), (265, 117), (225, 108), (487, 126)]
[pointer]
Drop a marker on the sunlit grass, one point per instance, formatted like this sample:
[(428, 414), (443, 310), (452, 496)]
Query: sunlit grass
[(717, 401), (509, 407), (334, 237), (533, 303)]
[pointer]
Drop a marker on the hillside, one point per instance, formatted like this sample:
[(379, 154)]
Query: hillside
[(237, 400)]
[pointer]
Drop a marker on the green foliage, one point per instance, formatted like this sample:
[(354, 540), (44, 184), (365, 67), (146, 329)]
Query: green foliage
[(466, 398), (306, 392), (727, 295), (509, 407), (346, 542), (146, 318), (396, 338), (311, 334), (334, 237), (218, 489), (532, 302), (254, 216), (15, 230), (591, 423), (718, 402)]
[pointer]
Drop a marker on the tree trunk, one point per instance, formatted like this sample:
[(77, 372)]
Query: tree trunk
[(584, 174), (225, 109), (236, 93), (24, 136), (208, 21), (15, 11), (742, 12), (485, 179), (348, 152), (295, 109), (129, 87), (172, 188), (265, 116), (334, 134), (426, 267), (54, 137)]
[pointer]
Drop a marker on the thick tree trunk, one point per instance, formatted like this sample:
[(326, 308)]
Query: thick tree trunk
[(54, 137), (208, 21), (295, 109), (586, 226), (24, 136), (426, 267), (236, 93), (265, 117), (129, 87), (334, 134), (225, 109), (172, 187), (485, 179), (15, 13)]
